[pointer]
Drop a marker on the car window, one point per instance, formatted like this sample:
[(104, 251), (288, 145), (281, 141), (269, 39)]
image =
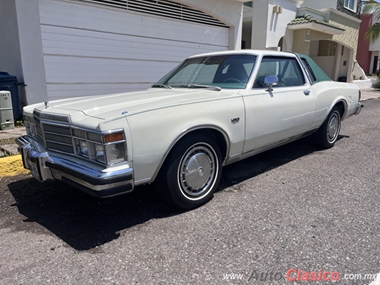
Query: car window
[(225, 71), (308, 70), (315, 73), (286, 69)]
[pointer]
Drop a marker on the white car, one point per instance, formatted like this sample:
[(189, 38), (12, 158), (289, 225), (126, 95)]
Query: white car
[(212, 110)]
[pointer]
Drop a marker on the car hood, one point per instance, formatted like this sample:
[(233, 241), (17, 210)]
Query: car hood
[(112, 106)]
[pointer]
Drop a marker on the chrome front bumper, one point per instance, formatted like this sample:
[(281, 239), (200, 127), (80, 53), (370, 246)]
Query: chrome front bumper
[(95, 181), (359, 107)]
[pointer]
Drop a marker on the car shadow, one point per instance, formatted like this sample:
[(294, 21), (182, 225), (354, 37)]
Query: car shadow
[(84, 222)]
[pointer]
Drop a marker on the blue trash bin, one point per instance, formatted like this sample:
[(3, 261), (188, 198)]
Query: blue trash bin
[(10, 83)]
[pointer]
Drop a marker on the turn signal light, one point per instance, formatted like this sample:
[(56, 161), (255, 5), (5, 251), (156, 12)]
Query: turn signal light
[(114, 137)]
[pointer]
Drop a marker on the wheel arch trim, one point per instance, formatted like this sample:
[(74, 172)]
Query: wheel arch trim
[(187, 132), (337, 102)]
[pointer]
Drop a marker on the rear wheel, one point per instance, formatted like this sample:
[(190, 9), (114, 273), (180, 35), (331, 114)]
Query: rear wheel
[(328, 133), (191, 173)]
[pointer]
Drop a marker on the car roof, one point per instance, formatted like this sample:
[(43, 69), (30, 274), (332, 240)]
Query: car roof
[(245, 51)]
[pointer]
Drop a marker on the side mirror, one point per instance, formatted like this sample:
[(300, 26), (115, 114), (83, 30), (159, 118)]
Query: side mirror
[(269, 81)]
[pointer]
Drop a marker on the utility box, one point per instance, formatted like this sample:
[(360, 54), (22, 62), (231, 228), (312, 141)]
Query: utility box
[(9, 83), (6, 111)]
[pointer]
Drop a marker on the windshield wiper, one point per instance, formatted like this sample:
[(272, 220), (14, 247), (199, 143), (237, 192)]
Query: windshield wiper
[(162, 86), (211, 87)]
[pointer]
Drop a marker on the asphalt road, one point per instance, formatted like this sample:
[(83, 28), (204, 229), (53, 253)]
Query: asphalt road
[(293, 208)]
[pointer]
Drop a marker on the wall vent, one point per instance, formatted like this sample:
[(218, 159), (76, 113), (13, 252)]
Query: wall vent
[(161, 8)]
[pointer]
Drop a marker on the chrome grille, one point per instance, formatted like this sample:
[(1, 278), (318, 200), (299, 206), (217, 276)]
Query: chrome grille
[(58, 138), (57, 134)]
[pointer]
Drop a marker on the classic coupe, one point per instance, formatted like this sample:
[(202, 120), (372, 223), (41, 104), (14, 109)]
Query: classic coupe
[(212, 110)]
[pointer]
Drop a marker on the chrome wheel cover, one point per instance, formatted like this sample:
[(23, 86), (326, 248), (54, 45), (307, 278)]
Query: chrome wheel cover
[(333, 127), (197, 171)]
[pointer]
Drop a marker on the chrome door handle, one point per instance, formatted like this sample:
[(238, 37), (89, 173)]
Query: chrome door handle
[(306, 92)]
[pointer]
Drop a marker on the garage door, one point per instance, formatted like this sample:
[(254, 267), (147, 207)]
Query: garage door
[(94, 47)]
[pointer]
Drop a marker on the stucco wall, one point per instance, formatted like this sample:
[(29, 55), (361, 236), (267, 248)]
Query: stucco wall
[(23, 54), (351, 34), (320, 4), (304, 38), (269, 27), (364, 55), (374, 46)]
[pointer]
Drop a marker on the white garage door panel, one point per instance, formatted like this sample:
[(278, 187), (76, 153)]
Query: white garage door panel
[(94, 70), (93, 18), (95, 44), (90, 49), (83, 89)]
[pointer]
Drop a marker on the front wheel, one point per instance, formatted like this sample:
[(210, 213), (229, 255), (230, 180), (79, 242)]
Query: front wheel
[(328, 133), (191, 173)]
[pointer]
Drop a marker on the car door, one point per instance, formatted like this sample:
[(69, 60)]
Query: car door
[(273, 117)]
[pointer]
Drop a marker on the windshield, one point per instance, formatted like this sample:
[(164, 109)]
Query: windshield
[(224, 71)]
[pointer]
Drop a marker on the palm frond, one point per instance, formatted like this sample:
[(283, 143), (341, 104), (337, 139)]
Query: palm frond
[(371, 7), (373, 33)]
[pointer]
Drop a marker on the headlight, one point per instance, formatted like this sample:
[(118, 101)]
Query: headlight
[(83, 148), (106, 148), (115, 149), (99, 153), (30, 127), (115, 153)]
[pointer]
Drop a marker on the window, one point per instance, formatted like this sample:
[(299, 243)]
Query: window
[(351, 4), (327, 48), (286, 69), (309, 70), (225, 71)]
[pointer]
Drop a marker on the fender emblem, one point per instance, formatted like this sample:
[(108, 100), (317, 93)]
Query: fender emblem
[(235, 120)]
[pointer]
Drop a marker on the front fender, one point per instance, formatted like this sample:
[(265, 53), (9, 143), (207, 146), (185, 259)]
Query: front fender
[(154, 133)]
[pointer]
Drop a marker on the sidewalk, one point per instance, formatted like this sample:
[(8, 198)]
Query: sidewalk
[(11, 148), (370, 93), (7, 145)]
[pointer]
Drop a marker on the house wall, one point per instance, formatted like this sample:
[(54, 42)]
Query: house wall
[(304, 41), (268, 27), (364, 55), (320, 4), (22, 54), (374, 48), (335, 4), (374, 64), (350, 25), (259, 24)]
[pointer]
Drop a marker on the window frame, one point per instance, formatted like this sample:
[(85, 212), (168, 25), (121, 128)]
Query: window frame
[(291, 60), (346, 4)]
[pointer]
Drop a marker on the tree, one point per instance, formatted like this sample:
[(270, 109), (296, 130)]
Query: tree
[(372, 7)]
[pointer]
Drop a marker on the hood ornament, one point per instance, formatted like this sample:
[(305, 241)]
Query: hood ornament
[(46, 103)]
